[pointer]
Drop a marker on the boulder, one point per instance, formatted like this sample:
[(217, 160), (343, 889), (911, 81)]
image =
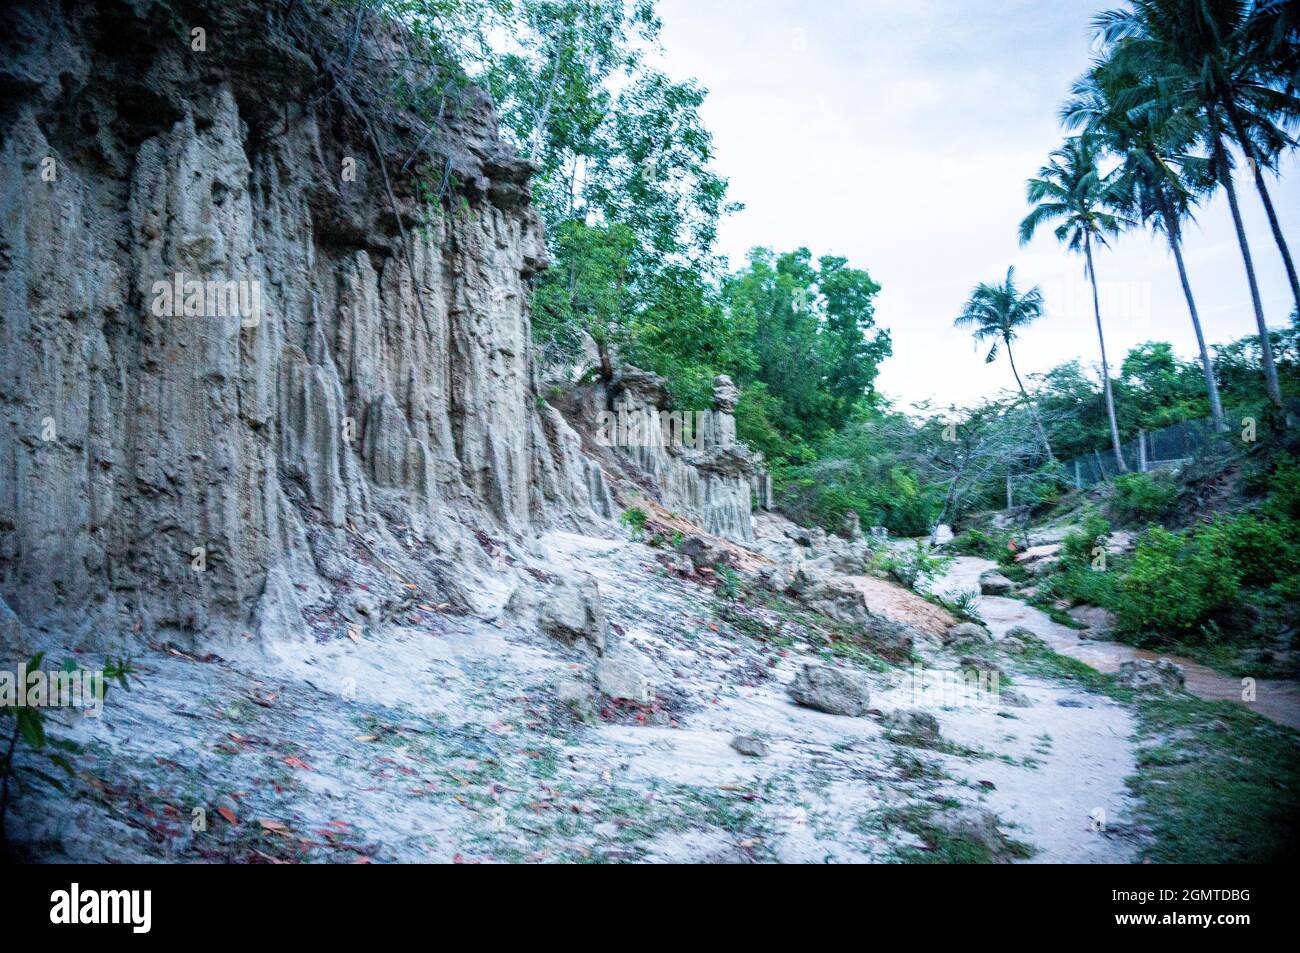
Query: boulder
[(622, 679), (725, 394), (578, 695), (978, 664), (1013, 698), (1018, 639), (751, 746), (1042, 567), (572, 612), (777, 578), (831, 690), (677, 563), (914, 727), (1145, 675), (966, 634), (977, 825), (839, 599), (705, 551), (993, 583)]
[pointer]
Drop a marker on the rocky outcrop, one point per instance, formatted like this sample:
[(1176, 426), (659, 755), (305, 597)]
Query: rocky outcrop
[(1151, 677), (831, 690), (360, 404), (993, 583), (689, 457)]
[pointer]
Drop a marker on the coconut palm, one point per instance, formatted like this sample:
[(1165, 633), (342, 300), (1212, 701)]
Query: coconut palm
[(998, 313), (1070, 191), (1157, 180), (1229, 58)]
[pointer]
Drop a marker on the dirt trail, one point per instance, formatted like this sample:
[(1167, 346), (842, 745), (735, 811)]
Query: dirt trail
[(1278, 699)]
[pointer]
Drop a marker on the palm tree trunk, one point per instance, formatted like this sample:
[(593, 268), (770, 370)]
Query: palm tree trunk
[(1249, 149), (1265, 345), (1033, 410), (1211, 385), (1105, 368)]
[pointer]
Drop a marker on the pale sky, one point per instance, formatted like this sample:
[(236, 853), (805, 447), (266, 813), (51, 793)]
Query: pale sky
[(900, 133)]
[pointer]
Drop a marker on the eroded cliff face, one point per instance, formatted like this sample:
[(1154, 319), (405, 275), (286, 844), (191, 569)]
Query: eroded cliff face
[(165, 471), (254, 384)]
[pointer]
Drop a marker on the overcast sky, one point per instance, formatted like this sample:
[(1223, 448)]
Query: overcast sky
[(900, 133)]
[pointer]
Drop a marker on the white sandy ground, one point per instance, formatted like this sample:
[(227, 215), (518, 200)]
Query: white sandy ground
[(447, 743)]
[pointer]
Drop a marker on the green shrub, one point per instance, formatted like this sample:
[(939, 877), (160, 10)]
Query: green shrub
[(1141, 498), (1176, 582), (1078, 545), (635, 519), (977, 542), (1261, 551), (1284, 491), (912, 567)]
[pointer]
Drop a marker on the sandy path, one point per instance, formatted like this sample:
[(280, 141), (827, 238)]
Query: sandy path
[(1278, 699)]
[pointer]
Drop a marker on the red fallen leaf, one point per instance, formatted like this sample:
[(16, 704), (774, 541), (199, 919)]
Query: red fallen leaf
[(228, 814), (361, 860), (339, 824), (297, 763), (457, 859)]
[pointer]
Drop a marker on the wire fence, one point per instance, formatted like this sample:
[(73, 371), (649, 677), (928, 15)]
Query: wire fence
[(1150, 450), (1168, 447)]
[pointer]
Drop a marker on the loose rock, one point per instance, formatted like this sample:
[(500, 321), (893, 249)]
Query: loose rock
[(993, 583), (830, 690), (1146, 676), (750, 745)]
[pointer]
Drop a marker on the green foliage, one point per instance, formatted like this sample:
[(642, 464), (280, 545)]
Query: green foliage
[(815, 346), (29, 728), (1219, 783), (978, 542), (1176, 582), (728, 584), (1078, 545), (865, 467), (1260, 551), (913, 567), (585, 289), (635, 519), (1141, 498)]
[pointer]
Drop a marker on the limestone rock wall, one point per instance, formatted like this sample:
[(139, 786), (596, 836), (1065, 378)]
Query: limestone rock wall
[(211, 475), (708, 476)]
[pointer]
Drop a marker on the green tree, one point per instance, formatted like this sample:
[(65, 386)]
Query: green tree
[(1158, 178), (998, 313), (1210, 53), (815, 347), (1071, 191)]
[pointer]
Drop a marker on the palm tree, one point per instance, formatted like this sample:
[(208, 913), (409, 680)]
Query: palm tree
[(1069, 190), (1157, 179), (1224, 56), (998, 313)]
